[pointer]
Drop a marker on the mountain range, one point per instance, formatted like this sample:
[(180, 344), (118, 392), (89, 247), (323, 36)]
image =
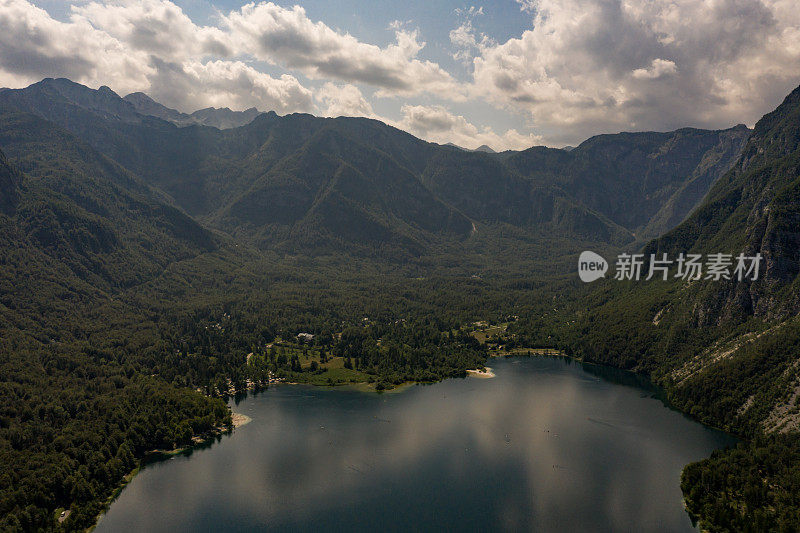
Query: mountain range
[(223, 118), (306, 183), (143, 249)]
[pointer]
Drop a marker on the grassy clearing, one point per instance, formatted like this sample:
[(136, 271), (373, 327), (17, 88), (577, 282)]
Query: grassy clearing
[(500, 342), (486, 333)]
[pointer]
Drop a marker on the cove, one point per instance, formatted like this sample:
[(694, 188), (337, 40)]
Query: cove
[(547, 445)]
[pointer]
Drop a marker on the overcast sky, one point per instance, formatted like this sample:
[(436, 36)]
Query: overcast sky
[(510, 74)]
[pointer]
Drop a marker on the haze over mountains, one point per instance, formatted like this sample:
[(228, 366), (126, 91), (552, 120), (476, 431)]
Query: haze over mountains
[(308, 183), (223, 118)]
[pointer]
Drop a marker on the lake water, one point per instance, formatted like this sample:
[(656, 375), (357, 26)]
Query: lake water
[(547, 445)]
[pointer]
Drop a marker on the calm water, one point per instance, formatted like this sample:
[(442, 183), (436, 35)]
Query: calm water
[(547, 445)]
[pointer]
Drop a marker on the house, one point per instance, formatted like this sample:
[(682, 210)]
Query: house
[(305, 337)]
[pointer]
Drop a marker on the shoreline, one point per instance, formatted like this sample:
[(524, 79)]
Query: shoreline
[(237, 419), (370, 386), (486, 373), (240, 419)]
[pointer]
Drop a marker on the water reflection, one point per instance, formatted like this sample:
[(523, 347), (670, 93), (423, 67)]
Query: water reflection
[(544, 446)]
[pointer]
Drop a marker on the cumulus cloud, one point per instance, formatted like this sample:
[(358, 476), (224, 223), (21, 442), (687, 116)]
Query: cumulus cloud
[(343, 101), (433, 122), (149, 46), (464, 39), (583, 67), (436, 123), (196, 84), (33, 45), (124, 44), (527, 5), (154, 26), (589, 66), (658, 68), (287, 37)]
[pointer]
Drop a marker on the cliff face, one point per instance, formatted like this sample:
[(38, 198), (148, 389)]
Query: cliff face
[(728, 351), (754, 208), (715, 162)]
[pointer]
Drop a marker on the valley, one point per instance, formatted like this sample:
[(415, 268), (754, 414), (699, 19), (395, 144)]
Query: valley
[(151, 270)]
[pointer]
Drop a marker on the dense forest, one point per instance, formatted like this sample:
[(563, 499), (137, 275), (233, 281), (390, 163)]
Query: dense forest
[(754, 487)]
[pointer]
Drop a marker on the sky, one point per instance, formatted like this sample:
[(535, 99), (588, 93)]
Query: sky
[(510, 74)]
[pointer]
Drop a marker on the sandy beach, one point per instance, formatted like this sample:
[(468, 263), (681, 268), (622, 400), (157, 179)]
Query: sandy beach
[(485, 374), (239, 419)]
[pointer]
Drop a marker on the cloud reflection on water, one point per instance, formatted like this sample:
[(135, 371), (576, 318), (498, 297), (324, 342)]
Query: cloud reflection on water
[(544, 446)]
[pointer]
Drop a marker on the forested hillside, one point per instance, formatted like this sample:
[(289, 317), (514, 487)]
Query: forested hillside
[(727, 351), (304, 183), (79, 403), (147, 270)]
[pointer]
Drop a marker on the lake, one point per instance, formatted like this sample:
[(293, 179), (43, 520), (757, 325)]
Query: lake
[(546, 445)]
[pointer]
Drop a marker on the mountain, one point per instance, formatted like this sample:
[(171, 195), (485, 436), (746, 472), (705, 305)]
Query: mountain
[(59, 97), (263, 182), (142, 262), (691, 331), (725, 351), (482, 148), (78, 235), (9, 186), (688, 195), (335, 188), (144, 105), (487, 190), (223, 118), (660, 176), (85, 211), (753, 209)]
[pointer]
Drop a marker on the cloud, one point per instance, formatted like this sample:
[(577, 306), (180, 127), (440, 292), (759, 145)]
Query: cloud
[(149, 46), (433, 123), (196, 84), (464, 38), (658, 68), (156, 27), (287, 37), (527, 5), (33, 45), (437, 124), (280, 36), (584, 66), (590, 66), (343, 101)]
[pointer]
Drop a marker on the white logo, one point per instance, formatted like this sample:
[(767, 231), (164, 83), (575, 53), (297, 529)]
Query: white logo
[(591, 266), (633, 267)]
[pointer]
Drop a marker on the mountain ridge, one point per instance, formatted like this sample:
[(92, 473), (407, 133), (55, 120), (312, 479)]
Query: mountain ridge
[(138, 256), (222, 118), (206, 170), (725, 351), (81, 207)]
